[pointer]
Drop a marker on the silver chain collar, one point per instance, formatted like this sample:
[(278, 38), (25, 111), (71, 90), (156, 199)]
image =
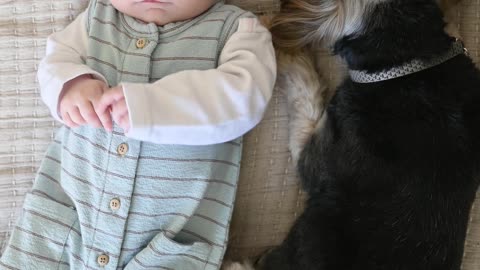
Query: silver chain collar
[(361, 76)]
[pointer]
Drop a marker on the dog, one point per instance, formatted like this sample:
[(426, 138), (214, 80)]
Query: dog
[(391, 166)]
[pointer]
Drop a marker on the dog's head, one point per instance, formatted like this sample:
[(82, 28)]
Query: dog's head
[(311, 22)]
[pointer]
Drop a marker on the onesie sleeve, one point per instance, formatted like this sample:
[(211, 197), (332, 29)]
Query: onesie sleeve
[(233, 99), (64, 60)]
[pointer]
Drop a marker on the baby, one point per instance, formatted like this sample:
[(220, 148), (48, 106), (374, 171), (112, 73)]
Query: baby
[(155, 96)]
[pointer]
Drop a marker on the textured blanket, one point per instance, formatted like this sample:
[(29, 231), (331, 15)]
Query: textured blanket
[(268, 198)]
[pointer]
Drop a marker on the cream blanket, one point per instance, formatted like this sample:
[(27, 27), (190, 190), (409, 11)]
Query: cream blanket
[(268, 199)]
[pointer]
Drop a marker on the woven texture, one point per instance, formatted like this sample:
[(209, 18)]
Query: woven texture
[(25, 125), (268, 198)]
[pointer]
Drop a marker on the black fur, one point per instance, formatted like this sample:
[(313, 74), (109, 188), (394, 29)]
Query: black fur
[(392, 176)]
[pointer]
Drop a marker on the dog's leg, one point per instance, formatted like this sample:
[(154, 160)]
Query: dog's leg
[(305, 91)]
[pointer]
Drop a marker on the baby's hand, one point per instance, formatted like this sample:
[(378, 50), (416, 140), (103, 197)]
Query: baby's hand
[(79, 99), (113, 101)]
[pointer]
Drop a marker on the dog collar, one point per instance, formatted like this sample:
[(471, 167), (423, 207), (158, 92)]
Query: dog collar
[(361, 76)]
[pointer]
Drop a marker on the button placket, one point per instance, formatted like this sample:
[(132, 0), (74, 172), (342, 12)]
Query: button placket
[(116, 200)]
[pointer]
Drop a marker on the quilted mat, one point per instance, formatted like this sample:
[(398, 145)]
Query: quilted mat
[(268, 198)]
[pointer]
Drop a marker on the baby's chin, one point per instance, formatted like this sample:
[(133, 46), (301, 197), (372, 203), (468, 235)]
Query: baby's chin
[(156, 16), (164, 21)]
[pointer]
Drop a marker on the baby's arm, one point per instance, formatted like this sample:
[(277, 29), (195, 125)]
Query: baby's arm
[(212, 106), (64, 67)]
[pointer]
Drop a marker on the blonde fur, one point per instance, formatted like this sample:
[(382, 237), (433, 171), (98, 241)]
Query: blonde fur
[(309, 22), (305, 91)]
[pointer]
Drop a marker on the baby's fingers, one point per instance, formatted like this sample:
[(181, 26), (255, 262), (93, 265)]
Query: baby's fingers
[(68, 121), (103, 108), (119, 109), (103, 112), (76, 116), (90, 116), (105, 118), (124, 123)]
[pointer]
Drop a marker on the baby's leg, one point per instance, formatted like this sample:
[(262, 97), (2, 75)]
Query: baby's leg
[(42, 235)]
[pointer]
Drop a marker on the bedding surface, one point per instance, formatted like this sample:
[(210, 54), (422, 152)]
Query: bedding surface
[(268, 199)]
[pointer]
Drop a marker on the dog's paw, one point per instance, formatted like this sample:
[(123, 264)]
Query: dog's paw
[(238, 266)]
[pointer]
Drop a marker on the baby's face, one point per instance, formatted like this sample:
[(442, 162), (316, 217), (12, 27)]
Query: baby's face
[(162, 12)]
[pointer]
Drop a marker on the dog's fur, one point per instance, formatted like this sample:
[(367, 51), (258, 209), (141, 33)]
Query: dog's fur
[(391, 169)]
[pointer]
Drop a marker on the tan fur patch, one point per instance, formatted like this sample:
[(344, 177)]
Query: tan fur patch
[(450, 9), (305, 90), (302, 22), (445, 5), (237, 266)]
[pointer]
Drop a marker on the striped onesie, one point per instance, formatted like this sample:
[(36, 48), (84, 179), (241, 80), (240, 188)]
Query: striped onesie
[(160, 196)]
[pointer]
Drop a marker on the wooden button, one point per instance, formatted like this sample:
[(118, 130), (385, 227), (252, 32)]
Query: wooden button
[(122, 149), (141, 42), (115, 204), (102, 260)]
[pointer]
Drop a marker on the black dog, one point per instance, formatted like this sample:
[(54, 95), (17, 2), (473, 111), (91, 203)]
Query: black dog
[(392, 173)]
